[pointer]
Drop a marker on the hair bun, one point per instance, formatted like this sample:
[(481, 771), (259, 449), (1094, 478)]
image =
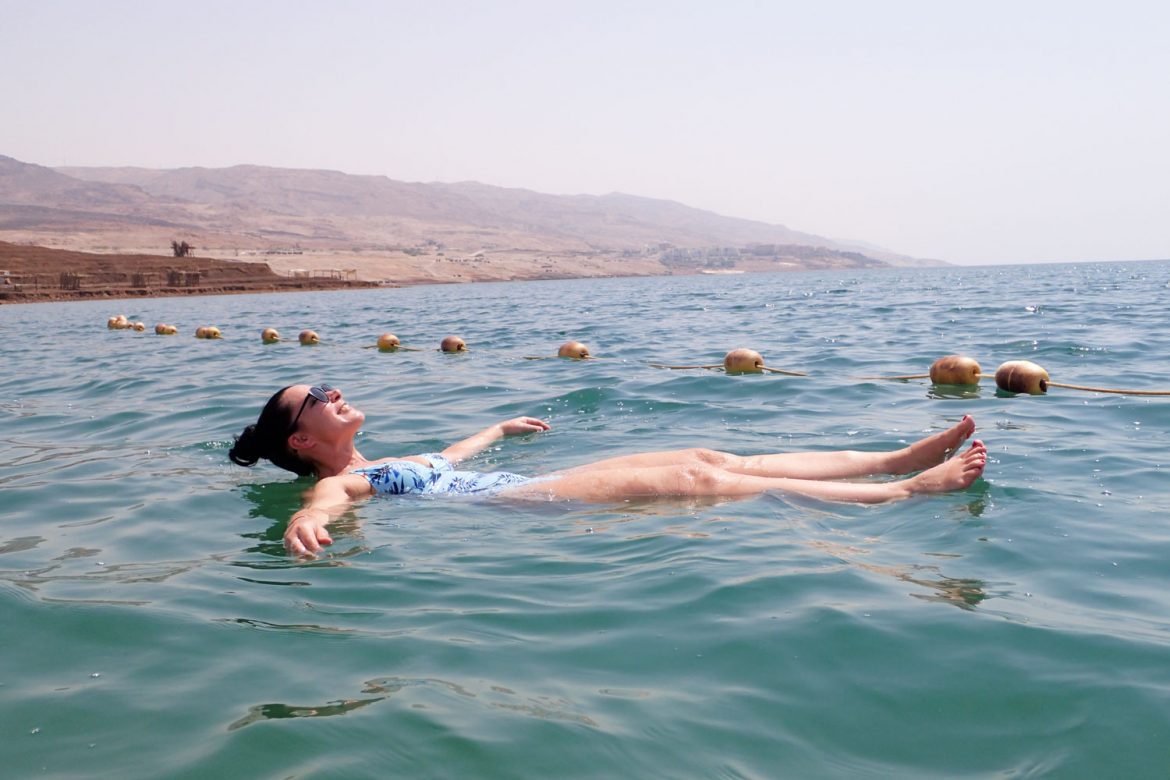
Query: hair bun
[(245, 452)]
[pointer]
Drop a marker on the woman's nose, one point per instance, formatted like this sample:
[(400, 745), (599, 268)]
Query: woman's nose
[(334, 395)]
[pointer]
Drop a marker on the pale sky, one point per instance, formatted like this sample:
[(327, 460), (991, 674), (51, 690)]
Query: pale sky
[(987, 132)]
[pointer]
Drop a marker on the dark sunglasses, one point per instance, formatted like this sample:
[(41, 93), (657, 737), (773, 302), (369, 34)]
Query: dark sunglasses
[(316, 393)]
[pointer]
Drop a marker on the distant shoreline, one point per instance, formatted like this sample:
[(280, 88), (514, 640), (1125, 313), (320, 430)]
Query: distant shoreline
[(31, 272), (36, 274), (132, 294)]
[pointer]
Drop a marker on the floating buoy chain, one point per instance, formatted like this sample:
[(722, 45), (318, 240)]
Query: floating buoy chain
[(1014, 376)]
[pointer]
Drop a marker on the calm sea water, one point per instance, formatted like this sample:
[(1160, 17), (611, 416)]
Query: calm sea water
[(153, 627)]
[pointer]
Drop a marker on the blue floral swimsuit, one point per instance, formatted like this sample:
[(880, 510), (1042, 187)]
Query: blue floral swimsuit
[(405, 476)]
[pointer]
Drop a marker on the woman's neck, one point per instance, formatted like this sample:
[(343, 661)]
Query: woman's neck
[(331, 461)]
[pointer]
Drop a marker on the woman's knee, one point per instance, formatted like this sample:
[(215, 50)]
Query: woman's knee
[(700, 479), (710, 457)]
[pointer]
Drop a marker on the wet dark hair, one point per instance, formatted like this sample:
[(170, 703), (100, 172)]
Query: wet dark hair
[(268, 438)]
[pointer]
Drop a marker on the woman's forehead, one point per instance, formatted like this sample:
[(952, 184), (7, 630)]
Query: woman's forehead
[(295, 394)]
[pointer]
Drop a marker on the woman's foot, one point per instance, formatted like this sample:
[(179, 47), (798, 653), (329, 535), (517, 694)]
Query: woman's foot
[(934, 449), (954, 474)]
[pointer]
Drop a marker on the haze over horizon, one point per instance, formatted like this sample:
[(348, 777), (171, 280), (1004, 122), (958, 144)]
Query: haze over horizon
[(1002, 133)]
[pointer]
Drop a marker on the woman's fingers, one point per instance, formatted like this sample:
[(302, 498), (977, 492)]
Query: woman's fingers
[(524, 425), (306, 538), (294, 545)]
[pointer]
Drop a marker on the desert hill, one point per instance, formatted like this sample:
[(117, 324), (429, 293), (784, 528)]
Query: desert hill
[(392, 230)]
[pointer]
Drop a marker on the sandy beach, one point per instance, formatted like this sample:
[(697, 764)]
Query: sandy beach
[(44, 267)]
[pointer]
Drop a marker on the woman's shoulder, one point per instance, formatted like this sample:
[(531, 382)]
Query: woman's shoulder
[(348, 483)]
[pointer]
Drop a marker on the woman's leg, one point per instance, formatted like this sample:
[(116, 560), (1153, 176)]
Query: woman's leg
[(703, 479), (922, 454)]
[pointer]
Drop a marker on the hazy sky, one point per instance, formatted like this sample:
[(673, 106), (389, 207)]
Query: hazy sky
[(972, 132)]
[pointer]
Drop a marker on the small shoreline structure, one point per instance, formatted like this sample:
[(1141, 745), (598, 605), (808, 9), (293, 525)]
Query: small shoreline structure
[(35, 274)]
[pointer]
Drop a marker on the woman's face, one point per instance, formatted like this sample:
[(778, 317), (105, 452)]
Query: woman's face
[(326, 420)]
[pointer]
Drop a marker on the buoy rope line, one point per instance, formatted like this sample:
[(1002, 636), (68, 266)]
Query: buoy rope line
[(737, 361), (1109, 389), (1085, 388), (1014, 376), (399, 348), (900, 378)]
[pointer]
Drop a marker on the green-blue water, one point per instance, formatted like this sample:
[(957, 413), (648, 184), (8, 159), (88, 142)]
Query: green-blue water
[(153, 627)]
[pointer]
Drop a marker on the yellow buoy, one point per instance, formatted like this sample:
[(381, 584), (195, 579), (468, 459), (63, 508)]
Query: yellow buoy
[(743, 361), (308, 338), (947, 370), (201, 332), (453, 344), (139, 326), (388, 342), (955, 370), (740, 361), (1022, 376), (269, 336), (212, 332), (575, 350)]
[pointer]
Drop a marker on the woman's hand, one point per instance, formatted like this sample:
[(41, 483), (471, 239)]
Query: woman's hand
[(306, 532), (523, 425)]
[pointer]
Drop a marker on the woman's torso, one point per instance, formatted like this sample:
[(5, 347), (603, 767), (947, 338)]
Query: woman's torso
[(401, 477)]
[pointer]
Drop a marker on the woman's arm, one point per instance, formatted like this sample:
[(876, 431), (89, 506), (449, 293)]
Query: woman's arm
[(473, 445), (328, 499)]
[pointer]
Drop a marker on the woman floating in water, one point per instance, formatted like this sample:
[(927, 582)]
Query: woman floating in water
[(310, 430)]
